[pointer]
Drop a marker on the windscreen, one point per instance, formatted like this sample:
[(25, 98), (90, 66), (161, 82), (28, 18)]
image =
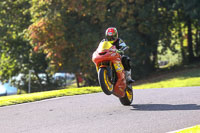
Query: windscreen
[(104, 46)]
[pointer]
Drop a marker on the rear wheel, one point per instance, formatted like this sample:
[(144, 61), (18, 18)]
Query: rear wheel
[(127, 100), (105, 81)]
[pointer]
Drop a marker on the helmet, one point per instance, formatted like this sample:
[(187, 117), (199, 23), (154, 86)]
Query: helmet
[(111, 34)]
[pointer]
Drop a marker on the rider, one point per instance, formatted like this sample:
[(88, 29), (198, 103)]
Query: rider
[(111, 35)]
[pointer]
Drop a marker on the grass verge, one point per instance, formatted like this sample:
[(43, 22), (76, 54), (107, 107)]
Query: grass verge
[(194, 129), (177, 78), (175, 82), (24, 98)]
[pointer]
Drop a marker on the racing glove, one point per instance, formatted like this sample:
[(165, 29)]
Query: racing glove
[(120, 51)]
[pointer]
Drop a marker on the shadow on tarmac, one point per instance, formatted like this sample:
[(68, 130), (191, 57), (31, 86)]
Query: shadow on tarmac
[(164, 107)]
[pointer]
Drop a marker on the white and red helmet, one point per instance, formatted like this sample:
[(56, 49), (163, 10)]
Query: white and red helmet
[(111, 34)]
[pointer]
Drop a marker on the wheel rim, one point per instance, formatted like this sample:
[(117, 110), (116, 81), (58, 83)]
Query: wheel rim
[(129, 95), (107, 81)]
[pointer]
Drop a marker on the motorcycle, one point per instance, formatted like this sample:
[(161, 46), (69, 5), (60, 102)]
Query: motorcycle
[(111, 75)]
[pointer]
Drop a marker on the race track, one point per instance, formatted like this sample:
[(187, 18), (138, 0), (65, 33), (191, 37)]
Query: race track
[(152, 111)]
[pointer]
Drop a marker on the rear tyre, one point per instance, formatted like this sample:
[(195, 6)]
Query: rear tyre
[(104, 81), (127, 100)]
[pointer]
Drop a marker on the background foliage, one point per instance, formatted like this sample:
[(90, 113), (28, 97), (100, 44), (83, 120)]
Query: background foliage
[(48, 36)]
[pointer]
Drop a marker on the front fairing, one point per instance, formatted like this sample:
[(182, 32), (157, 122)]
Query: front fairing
[(105, 52)]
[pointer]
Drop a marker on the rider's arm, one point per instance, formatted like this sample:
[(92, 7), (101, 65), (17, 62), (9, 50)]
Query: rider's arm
[(122, 46)]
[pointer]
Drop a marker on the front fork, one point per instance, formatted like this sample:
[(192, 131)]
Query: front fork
[(118, 80), (103, 64), (110, 69)]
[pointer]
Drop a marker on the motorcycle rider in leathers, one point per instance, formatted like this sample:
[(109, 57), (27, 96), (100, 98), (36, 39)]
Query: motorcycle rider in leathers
[(111, 35)]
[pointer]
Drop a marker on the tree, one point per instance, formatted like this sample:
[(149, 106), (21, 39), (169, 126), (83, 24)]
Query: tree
[(188, 15), (16, 56), (14, 50), (69, 49), (80, 26)]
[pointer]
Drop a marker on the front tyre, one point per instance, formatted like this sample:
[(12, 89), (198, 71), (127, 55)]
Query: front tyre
[(105, 81), (127, 100)]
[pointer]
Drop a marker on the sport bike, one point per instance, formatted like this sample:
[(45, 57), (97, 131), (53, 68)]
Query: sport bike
[(111, 75)]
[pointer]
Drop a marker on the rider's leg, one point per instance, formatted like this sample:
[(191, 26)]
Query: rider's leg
[(127, 68)]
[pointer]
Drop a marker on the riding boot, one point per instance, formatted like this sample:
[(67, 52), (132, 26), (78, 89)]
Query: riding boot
[(129, 80)]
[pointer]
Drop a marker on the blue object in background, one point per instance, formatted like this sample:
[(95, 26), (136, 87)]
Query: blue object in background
[(7, 89)]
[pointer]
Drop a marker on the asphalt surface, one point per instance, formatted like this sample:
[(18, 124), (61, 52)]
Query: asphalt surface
[(152, 111)]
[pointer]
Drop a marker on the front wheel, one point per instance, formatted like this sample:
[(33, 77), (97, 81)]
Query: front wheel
[(127, 100), (105, 81)]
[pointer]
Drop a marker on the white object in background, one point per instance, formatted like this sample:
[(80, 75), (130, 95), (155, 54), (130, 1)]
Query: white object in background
[(2, 90)]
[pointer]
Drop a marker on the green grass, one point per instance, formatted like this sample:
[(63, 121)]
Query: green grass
[(194, 129), (24, 98), (177, 78), (175, 82)]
